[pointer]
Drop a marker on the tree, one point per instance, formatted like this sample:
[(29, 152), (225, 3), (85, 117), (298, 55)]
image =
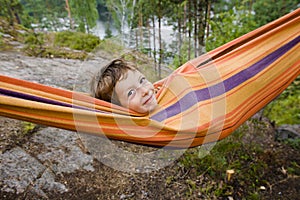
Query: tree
[(161, 8), (201, 22), (122, 12), (69, 14), (150, 12), (85, 14), (12, 10), (44, 13), (269, 10), (230, 24), (190, 22)]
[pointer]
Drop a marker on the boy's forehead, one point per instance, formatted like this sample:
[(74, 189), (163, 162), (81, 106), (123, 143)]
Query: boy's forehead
[(131, 75), (130, 80)]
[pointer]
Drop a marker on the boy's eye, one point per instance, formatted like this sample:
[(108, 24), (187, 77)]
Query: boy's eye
[(142, 80), (130, 93)]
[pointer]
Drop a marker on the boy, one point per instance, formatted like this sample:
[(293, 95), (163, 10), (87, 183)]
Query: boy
[(121, 83)]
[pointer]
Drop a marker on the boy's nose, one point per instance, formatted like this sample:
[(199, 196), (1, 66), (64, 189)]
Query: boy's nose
[(144, 91)]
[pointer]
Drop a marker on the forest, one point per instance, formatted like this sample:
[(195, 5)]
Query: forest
[(264, 167), (198, 25)]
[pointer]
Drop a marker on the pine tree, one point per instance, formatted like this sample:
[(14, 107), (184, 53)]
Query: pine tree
[(85, 14)]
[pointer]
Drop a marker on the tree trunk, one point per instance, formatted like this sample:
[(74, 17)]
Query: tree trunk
[(140, 24), (195, 28), (69, 14), (184, 21), (149, 38), (179, 36), (154, 43), (87, 26), (132, 14), (11, 16), (189, 29), (200, 36), (160, 48), (136, 39), (208, 17)]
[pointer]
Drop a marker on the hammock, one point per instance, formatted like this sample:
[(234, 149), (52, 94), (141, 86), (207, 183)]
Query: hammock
[(203, 101)]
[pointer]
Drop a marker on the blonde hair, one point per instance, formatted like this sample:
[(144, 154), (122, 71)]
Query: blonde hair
[(104, 82)]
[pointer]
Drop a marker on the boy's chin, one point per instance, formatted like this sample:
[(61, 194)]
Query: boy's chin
[(148, 109), (152, 107)]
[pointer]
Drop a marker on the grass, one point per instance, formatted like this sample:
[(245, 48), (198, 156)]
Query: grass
[(28, 127), (76, 40), (230, 153), (111, 46), (73, 45), (285, 109), (256, 159)]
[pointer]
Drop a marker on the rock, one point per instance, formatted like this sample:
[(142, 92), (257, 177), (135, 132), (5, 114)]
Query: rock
[(33, 166), (287, 131), (18, 170), (54, 151), (47, 182), (59, 147)]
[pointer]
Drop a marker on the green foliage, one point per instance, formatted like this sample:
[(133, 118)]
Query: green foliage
[(34, 38), (112, 46), (295, 167), (34, 44), (11, 10), (295, 143), (230, 153), (292, 90), (183, 57), (284, 110), (269, 10), (228, 25), (85, 14), (28, 127), (1, 40), (108, 32), (44, 13), (42, 45), (76, 40)]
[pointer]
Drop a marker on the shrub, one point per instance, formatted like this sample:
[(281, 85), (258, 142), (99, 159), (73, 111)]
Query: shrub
[(284, 110), (76, 40), (1, 40), (34, 43)]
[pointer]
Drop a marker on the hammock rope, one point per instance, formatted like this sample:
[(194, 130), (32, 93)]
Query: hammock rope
[(203, 101)]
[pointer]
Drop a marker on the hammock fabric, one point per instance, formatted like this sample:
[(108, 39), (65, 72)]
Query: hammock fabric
[(203, 101)]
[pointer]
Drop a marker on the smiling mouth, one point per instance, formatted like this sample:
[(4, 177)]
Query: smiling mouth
[(149, 99)]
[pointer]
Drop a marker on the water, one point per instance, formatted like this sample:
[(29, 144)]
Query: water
[(100, 29), (128, 38)]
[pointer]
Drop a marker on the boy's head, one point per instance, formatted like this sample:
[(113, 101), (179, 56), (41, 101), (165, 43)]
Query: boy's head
[(121, 83)]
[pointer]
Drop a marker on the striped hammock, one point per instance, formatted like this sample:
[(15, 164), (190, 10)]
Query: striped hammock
[(203, 101)]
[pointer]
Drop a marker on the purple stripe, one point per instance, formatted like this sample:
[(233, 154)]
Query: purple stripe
[(41, 99), (196, 96)]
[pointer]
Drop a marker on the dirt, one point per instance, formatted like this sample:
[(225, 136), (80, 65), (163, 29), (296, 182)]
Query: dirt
[(104, 182)]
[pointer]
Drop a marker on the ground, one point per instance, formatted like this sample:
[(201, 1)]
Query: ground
[(39, 162)]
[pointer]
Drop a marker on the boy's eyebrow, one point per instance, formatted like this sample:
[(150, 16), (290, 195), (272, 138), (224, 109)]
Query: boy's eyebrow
[(140, 76), (126, 90)]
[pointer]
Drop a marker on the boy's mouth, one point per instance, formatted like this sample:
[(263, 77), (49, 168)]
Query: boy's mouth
[(150, 99)]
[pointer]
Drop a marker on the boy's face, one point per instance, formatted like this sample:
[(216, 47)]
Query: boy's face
[(135, 92)]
